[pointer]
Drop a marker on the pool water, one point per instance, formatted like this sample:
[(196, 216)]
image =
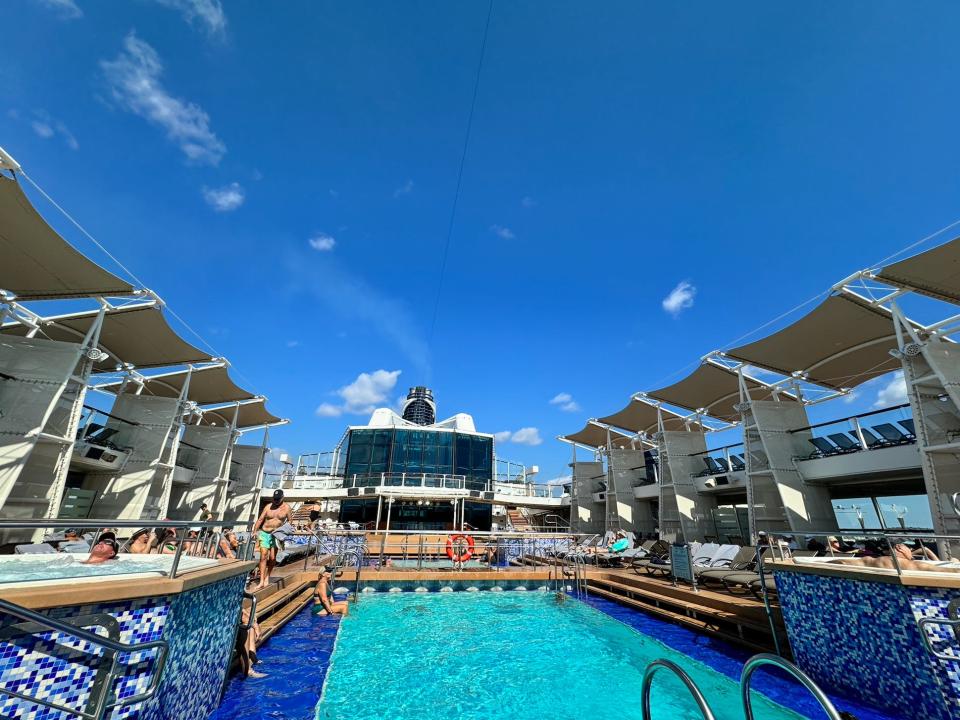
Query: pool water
[(460, 656), (433, 565), (32, 568)]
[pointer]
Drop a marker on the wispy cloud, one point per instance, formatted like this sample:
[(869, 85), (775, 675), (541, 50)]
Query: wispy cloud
[(351, 298), (64, 9), (565, 402), (322, 242), (404, 189), (207, 13), (225, 199), (523, 436), (293, 343), (135, 84), (894, 392), (361, 397), (504, 233), (680, 298), (528, 202), (47, 127)]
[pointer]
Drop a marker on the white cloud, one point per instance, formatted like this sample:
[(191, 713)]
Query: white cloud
[(209, 13), (47, 127), (65, 9), (894, 392), (42, 129), (134, 79), (356, 302), (523, 436), (565, 402), (293, 343), (528, 202), (225, 199), (504, 233), (404, 189), (368, 392), (680, 298), (322, 242)]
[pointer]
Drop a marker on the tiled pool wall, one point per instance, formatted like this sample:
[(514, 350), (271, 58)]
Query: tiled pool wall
[(467, 585), (863, 639), (198, 626)]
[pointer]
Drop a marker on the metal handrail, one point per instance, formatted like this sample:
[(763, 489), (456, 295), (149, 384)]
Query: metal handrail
[(112, 648), (950, 622), (662, 663), (767, 659)]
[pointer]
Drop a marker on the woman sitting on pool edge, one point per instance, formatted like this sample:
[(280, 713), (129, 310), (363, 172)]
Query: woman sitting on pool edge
[(322, 605)]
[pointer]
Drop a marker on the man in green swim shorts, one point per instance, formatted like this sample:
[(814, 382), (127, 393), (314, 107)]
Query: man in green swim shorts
[(273, 516)]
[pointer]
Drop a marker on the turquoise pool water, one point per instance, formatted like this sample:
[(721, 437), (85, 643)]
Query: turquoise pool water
[(523, 656)]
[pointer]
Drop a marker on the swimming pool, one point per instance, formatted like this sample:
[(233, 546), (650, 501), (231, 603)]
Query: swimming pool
[(457, 656), (296, 661), (44, 569)]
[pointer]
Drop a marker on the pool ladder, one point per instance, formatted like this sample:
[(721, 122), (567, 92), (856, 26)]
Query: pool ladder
[(101, 699), (746, 674)]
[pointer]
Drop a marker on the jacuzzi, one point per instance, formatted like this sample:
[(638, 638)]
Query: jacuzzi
[(52, 569)]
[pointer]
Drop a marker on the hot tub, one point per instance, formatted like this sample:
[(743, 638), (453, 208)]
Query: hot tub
[(50, 569)]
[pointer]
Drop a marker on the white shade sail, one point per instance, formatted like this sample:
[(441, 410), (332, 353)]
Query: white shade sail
[(594, 436), (208, 386), (36, 263)]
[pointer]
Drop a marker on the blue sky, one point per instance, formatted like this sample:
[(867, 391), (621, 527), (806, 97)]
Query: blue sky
[(282, 175)]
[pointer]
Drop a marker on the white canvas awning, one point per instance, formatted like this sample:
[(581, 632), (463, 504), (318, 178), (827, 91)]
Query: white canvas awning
[(935, 272), (208, 386), (712, 388), (594, 436), (640, 416), (841, 343), (139, 335), (251, 414), (36, 263)]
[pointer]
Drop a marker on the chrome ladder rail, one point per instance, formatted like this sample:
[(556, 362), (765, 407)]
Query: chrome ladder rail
[(662, 664), (100, 692), (768, 659)]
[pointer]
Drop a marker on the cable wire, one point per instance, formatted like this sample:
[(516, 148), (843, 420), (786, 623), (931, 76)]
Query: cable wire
[(463, 158)]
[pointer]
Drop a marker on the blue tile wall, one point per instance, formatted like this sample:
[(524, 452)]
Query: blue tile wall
[(201, 633), (198, 625), (862, 638)]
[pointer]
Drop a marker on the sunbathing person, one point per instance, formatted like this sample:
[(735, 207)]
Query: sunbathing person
[(106, 549), (904, 560), (228, 545), (322, 605), (142, 542)]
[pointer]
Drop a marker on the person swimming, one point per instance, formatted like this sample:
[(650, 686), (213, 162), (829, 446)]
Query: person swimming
[(105, 550)]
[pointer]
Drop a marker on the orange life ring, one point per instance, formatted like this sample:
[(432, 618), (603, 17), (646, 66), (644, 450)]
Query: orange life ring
[(465, 554)]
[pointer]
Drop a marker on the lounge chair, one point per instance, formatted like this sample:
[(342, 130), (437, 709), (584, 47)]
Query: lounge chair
[(737, 464), (699, 555), (744, 561), (658, 555), (868, 437), (909, 426), (34, 549), (742, 583), (890, 434), (722, 462), (823, 447), (844, 443), (713, 467)]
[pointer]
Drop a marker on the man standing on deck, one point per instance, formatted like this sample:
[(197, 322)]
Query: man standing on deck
[(273, 516)]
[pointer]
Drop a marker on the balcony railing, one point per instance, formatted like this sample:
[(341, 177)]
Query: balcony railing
[(419, 481)]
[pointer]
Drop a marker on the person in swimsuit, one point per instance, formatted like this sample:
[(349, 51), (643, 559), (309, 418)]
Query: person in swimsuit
[(905, 561), (322, 604), (246, 644), (142, 542), (228, 545), (273, 516)]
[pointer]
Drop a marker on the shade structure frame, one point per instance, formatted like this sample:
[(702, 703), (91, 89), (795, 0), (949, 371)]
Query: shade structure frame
[(133, 336), (594, 436), (643, 415), (843, 342), (244, 416), (209, 385)]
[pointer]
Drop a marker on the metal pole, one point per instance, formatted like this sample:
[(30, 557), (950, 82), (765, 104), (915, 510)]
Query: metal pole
[(379, 509)]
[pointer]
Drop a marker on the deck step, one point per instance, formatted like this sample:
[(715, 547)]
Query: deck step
[(278, 619), (757, 644)]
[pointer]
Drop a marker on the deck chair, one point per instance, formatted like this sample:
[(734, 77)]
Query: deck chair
[(743, 561), (75, 546), (890, 434), (736, 461), (721, 558), (844, 443), (871, 439), (749, 582), (909, 426), (34, 549), (713, 467), (823, 447), (722, 462), (657, 558)]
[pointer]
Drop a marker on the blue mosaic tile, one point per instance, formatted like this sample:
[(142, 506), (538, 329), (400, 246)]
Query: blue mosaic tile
[(862, 639)]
